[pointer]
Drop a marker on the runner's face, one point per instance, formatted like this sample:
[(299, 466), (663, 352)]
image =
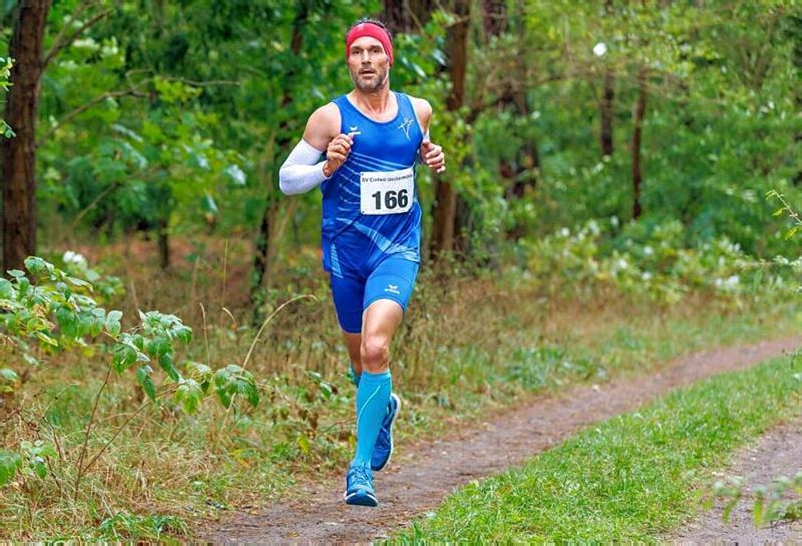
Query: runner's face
[(368, 64)]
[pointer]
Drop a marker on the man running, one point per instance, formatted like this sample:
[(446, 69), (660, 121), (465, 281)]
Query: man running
[(371, 139)]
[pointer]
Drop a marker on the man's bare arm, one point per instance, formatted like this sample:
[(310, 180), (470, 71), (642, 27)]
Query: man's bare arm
[(431, 154)]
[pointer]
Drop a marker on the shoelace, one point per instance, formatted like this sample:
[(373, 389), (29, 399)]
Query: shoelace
[(360, 476)]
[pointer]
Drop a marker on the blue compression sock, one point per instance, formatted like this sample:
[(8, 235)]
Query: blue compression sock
[(354, 376), (372, 397)]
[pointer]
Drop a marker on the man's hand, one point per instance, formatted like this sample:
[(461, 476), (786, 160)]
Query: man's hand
[(433, 156), (337, 152)]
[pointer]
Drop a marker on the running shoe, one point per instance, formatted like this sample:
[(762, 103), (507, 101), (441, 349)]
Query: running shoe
[(383, 449), (359, 486)]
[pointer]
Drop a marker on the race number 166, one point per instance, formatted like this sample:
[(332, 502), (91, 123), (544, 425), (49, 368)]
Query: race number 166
[(387, 192), (391, 199)]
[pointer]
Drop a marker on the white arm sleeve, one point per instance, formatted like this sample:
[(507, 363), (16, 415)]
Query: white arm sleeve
[(302, 171)]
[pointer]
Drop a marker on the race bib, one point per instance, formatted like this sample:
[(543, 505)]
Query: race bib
[(389, 192)]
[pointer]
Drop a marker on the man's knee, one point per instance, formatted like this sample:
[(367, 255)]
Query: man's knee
[(375, 353)]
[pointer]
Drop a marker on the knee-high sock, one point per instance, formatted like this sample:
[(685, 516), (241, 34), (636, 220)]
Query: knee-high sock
[(372, 397)]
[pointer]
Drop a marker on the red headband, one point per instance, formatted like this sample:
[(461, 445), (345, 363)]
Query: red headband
[(372, 30)]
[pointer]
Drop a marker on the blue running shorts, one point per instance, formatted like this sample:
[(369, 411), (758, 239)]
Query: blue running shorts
[(355, 288)]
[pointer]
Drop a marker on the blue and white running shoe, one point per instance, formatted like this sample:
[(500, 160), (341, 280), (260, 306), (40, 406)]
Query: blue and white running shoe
[(383, 449), (359, 486)]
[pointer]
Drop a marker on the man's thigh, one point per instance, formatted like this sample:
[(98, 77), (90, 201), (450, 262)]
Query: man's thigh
[(393, 279), (348, 293)]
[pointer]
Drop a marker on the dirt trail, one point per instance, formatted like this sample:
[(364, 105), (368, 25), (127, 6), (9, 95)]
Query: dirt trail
[(416, 485), (778, 453)]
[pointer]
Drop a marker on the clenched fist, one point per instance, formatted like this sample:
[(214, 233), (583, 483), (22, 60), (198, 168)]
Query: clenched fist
[(337, 152), (433, 156)]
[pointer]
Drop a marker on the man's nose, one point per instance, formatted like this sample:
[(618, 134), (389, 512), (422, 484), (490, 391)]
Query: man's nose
[(365, 56)]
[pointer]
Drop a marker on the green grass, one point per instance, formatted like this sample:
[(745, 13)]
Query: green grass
[(166, 467), (632, 477)]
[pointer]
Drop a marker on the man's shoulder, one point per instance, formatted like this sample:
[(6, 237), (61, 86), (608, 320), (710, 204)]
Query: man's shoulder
[(420, 103), (423, 109), (322, 126), (326, 117), (327, 112)]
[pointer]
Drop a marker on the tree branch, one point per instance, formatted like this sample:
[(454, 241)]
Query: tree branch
[(134, 92), (64, 42)]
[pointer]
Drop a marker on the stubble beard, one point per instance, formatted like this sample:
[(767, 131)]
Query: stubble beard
[(372, 87)]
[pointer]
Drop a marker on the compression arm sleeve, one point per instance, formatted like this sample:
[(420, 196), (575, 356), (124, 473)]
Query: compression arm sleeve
[(302, 171)]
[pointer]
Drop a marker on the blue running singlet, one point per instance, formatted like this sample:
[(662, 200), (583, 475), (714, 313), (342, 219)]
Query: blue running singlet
[(371, 215)]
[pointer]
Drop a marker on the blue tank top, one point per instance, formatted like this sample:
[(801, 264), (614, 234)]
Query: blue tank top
[(380, 147)]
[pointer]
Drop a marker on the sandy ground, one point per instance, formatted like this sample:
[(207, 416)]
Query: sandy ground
[(414, 485)]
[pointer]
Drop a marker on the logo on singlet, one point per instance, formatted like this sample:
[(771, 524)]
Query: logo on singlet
[(405, 125)]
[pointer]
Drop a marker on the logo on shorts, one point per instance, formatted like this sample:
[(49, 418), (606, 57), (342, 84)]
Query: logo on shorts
[(405, 125), (393, 289)]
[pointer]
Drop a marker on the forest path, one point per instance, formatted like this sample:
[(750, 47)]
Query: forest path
[(428, 472)]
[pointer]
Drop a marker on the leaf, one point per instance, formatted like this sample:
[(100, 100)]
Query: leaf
[(16, 273), (183, 333), (46, 339), (225, 398), (39, 468), (6, 289), (9, 464), (79, 282), (189, 393), (114, 315), (146, 382), (252, 393), (67, 321), (303, 444), (166, 364), (36, 265), (113, 327), (8, 375), (122, 357)]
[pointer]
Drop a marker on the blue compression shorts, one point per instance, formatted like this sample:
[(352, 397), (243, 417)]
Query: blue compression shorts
[(354, 289)]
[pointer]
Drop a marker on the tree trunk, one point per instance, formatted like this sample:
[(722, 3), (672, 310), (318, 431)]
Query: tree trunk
[(637, 125), (494, 17), (261, 259), (164, 244), (19, 153), (407, 15), (445, 206), (608, 95)]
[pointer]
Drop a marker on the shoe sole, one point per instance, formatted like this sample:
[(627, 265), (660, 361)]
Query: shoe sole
[(392, 444), (360, 498)]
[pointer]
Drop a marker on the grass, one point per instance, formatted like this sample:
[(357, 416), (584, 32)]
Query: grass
[(630, 478), (467, 349)]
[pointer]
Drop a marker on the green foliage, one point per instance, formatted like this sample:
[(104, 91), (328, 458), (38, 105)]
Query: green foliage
[(54, 310), (5, 74), (772, 503), (233, 380), (10, 463), (124, 525)]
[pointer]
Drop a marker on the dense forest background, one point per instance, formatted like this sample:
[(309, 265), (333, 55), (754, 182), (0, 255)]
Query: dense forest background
[(171, 118), (621, 186)]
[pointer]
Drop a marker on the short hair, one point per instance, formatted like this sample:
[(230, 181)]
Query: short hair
[(379, 23)]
